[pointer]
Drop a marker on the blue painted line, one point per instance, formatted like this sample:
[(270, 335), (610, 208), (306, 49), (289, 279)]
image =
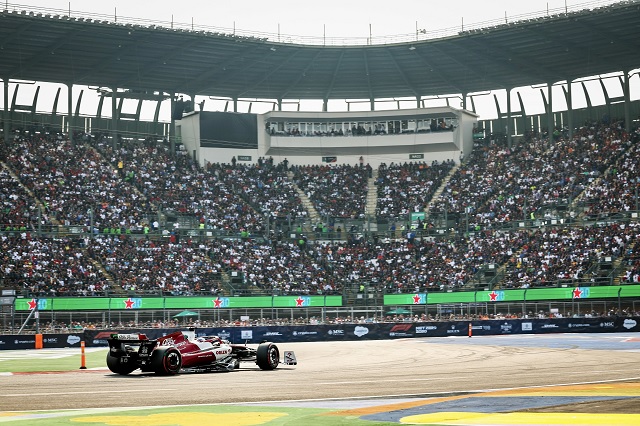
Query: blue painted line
[(487, 405), (604, 341)]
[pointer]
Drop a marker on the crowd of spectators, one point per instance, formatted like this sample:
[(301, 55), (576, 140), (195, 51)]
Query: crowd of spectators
[(265, 186), (18, 211), (49, 266), (177, 185), (502, 183), (75, 185), (124, 188), (406, 188), (617, 189), (338, 191), (550, 255), (165, 267)]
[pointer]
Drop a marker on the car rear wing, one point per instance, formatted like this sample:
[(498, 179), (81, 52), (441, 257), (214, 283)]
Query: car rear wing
[(128, 338)]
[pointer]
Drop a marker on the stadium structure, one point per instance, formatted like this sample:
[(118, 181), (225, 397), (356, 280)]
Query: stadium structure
[(376, 207)]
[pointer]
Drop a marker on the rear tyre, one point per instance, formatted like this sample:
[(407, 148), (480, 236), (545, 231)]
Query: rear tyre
[(267, 356), (121, 365), (166, 361)]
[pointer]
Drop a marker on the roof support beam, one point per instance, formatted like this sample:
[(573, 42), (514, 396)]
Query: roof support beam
[(509, 127), (70, 113), (569, 98), (114, 119), (5, 116), (627, 102), (550, 119)]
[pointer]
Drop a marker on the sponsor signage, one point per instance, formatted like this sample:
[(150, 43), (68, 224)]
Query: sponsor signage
[(425, 329), (361, 331), (416, 156), (7, 300), (415, 216), (329, 159), (320, 333), (244, 158), (335, 332), (28, 341), (401, 330)]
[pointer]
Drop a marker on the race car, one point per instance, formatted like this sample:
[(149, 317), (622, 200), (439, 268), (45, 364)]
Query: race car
[(183, 352)]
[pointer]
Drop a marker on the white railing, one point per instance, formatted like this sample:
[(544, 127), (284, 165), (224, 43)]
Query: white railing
[(417, 35)]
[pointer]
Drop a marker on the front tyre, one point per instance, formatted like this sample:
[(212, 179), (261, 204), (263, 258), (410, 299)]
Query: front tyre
[(166, 361), (267, 356), (121, 365)]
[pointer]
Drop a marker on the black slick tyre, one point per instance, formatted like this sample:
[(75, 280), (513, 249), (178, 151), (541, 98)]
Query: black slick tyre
[(121, 365), (166, 361), (267, 356)]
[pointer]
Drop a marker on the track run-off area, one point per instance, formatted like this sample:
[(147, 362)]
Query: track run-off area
[(529, 379)]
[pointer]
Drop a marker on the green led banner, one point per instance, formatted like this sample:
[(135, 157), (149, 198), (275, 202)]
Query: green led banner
[(218, 302), (122, 303), (405, 299), (519, 295)]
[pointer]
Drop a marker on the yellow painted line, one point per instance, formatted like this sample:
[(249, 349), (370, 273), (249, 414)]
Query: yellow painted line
[(184, 419), (529, 419), (11, 414)]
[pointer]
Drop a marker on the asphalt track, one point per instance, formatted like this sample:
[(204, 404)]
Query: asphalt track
[(399, 381)]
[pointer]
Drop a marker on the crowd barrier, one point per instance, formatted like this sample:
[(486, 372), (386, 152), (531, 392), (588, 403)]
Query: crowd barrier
[(339, 332)]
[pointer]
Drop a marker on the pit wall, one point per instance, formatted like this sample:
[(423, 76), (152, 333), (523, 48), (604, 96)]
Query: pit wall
[(341, 332)]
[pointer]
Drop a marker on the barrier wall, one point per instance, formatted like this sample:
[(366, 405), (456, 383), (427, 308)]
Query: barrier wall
[(341, 332)]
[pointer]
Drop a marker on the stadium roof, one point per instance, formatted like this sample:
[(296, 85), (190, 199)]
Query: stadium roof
[(61, 49)]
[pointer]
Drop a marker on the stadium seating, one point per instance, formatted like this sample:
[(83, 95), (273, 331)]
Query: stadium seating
[(86, 219)]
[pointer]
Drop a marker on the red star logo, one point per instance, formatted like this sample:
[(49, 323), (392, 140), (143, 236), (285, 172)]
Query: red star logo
[(32, 304), (299, 301), (217, 302), (128, 304), (493, 296), (416, 299), (577, 293)]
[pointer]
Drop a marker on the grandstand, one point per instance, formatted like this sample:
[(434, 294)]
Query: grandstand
[(363, 205)]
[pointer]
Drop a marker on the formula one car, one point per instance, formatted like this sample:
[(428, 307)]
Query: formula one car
[(178, 351)]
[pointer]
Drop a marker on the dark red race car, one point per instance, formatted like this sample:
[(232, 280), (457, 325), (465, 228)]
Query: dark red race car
[(177, 352)]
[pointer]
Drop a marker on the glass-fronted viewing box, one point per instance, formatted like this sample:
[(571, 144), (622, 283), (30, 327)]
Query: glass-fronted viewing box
[(360, 126)]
